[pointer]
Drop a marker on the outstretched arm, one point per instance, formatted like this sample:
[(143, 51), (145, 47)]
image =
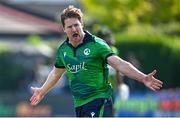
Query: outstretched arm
[(38, 93), (129, 70)]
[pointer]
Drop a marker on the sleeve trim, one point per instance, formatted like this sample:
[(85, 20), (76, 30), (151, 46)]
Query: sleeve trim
[(57, 66), (109, 56)]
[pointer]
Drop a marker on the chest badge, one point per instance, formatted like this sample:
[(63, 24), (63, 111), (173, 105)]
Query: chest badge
[(86, 51), (64, 54)]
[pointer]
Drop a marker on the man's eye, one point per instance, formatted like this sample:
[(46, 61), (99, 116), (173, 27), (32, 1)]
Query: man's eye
[(76, 25)]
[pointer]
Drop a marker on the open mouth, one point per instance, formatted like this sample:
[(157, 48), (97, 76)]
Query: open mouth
[(75, 35)]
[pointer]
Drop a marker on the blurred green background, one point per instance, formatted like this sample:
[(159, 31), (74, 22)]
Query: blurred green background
[(148, 30)]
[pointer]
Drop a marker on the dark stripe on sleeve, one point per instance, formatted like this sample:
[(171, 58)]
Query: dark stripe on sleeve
[(109, 56), (57, 66)]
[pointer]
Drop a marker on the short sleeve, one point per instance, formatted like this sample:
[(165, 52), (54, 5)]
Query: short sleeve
[(58, 60), (104, 50)]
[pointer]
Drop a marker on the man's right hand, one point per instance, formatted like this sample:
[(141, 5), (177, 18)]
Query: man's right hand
[(37, 96)]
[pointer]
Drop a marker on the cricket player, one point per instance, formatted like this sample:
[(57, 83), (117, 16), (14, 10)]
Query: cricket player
[(85, 57)]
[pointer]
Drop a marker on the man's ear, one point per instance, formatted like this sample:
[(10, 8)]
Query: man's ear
[(63, 29), (62, 26)]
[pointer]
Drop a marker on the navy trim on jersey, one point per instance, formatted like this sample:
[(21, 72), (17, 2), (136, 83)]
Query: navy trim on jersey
[(108, 56), (87, 38), (59, 66)]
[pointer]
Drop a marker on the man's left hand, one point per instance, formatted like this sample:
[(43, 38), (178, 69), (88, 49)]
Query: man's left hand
[(151, 82)]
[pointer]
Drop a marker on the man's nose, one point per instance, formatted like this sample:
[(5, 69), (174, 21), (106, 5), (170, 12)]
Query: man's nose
[(73, 28)]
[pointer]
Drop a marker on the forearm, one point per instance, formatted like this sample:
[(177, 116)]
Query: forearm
[(129, 70), (52, 79), (126, 68)]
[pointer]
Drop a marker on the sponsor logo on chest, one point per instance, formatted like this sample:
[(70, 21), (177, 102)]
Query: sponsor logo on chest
[(74, 68)]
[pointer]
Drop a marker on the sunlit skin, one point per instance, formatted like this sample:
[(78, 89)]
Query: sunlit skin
[(74, 31), (128, 69)]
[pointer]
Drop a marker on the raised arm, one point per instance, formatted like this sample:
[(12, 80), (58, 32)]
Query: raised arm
[(38, 93), (129, 70)]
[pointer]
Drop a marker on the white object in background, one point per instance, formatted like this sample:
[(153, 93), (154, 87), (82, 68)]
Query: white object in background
[(123, 91)]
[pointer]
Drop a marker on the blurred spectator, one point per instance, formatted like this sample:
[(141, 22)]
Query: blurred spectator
[(121, 90), (133, 85), (106, 34), (114, 77)]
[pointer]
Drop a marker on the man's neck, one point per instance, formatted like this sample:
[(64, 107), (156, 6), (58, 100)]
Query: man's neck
[(76, 43)]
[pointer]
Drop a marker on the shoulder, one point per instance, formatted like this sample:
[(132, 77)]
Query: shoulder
[(101, 44), (93, 38), (62, 45), (99, 41)]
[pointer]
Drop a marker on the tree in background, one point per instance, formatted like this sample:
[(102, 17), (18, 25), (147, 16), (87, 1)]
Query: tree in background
[(148, 28), (120, 13)]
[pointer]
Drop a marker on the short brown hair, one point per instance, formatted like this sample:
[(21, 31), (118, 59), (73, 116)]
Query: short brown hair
[(71, 12)]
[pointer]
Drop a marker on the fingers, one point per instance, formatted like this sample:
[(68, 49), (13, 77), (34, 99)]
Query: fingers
[(156, 84), (33, 88), (35, 99), (158, 81), (152, 88), (153, 73), (156, 87), (32, 98)]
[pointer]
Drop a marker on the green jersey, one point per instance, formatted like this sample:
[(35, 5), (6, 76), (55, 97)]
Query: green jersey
[(86, 67)]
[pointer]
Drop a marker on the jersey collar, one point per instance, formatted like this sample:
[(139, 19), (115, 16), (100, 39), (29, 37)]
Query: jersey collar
[(87, 38)]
